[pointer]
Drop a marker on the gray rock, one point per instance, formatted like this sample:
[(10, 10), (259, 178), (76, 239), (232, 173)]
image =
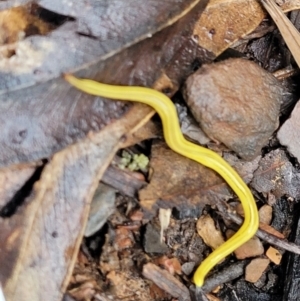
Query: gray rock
[(237, 103), (152, 242)]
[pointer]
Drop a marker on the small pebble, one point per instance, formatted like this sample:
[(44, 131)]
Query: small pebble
[(152, 243), (102, 206), (188, 267)]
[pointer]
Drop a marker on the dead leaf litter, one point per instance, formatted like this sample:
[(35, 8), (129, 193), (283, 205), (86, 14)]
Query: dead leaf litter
[(156, 215)]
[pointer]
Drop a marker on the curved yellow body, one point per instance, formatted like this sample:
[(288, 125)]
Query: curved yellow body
[(176, 141)]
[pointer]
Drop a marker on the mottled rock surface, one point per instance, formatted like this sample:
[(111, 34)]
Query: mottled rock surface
[(237, 103)]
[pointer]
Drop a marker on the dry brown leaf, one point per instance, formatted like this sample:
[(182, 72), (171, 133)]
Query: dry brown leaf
[(90, 31), (12, 179), (19, 22), (43, 238), (225, 21), (181, 183), (40, 114)]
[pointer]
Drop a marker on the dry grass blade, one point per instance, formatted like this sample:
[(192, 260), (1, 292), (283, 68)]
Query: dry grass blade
[(289, 33)]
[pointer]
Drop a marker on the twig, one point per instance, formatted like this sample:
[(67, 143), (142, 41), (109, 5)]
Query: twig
[(229, 273), (197, 294), (166, 282), (271, 239)]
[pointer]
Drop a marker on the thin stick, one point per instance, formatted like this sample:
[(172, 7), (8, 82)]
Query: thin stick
[(271, 239)]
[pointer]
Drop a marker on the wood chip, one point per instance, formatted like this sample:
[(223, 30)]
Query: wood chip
[(166, 281), (125, 181), (271, 230), (136, 215), (251, 248), (255, 269), (123, 239), (172, 265), (164, 216), (265, 214), (274, 255), (208, 232), (126, 286)]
